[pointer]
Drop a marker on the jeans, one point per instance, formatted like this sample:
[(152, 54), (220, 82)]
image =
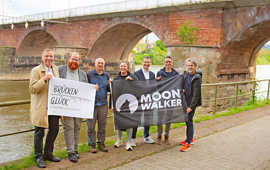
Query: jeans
[(146, 132), (190, 129)]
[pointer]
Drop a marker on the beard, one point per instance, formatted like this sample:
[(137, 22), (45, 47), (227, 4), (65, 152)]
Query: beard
[(73, 66)]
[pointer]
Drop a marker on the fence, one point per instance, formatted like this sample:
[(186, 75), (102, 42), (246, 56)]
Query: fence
[(219, 96), (216, 96)]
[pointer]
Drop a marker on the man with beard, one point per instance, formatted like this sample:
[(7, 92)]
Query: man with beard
[(72, 124), (102, 81), (38, 87)]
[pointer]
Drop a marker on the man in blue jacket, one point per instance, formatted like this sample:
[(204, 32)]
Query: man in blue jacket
[(101, 79), (144, 74)]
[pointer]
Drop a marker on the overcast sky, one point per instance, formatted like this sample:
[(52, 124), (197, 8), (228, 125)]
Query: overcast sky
[(26, 7)]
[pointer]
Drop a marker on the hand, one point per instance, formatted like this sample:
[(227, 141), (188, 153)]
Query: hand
[(96, 87), (48, 77), (129, 78), (109, 81), (158, 78), (189, 110)]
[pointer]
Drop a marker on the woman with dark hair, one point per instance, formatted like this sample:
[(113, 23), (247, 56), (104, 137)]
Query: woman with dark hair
[(124, 74)]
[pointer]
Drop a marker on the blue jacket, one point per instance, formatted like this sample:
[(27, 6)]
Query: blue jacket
[(103, 86), (139, 74)]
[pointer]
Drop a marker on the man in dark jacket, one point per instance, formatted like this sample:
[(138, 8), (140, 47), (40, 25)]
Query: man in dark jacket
[(192, 92), (167, 72), (144, 74)]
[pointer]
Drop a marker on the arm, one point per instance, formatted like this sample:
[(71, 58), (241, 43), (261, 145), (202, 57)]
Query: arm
[(36, 82), (196, 95)]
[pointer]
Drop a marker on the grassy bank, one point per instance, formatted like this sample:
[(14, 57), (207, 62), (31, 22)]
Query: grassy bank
[(29, 161)]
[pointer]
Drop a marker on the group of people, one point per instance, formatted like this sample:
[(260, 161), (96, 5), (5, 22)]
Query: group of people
[(38, 87)]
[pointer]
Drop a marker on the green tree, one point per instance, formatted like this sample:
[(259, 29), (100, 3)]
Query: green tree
[(157, 52), (186, 33)]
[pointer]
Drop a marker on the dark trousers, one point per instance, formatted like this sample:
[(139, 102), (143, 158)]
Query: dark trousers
[(189, 124), (146, 132), (50, 138)]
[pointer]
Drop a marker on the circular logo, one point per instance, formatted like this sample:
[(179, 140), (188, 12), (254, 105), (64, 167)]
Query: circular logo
[(127, 98)]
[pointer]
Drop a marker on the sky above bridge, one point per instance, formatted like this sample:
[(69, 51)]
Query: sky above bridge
[(27, 7)]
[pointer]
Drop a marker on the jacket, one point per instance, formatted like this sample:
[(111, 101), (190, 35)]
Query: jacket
[(38, 88), (194, 99), (63, 73), (139, 74)]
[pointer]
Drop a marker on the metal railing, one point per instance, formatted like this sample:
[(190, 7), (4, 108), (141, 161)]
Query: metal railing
[(217, 91), (120, 6), (234, 93)]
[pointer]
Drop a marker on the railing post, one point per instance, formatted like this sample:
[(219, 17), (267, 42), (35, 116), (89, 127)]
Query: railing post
[(253, 92), (236, 94), (215, 100), (268, 89)]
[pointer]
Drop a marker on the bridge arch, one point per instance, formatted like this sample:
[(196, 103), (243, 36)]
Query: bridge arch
[(34, 42), (117, 40), (239, 55)]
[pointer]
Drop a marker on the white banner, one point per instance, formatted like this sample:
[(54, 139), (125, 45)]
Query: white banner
[(71, 98)]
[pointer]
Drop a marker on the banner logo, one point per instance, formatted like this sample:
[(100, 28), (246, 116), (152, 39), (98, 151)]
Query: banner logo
[(128, 99)]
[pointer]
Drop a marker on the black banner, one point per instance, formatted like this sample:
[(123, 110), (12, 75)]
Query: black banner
[(142, 103)]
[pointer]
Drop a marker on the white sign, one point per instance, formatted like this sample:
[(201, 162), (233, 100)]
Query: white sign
[(71, 98)]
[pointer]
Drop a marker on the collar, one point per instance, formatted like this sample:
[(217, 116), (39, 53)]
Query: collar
[(95, 72)]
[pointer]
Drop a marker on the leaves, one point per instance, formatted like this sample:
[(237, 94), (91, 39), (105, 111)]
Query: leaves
[(186, 33), (156, 53)]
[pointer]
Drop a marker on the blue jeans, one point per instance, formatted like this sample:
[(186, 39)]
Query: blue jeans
[(146, 132), (190, 129)]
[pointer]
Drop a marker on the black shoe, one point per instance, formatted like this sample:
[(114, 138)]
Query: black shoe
[(77, 154), (40, 163), (51, 158), (72, 157)]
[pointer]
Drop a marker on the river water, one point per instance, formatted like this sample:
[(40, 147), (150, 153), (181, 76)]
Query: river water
[(16, 118)]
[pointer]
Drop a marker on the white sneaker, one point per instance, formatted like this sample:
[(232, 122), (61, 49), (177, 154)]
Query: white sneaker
[(132, 142), (149, 140), (129, 147), (118, 143)]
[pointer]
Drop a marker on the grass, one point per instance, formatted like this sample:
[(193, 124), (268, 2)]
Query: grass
[(29, 160)]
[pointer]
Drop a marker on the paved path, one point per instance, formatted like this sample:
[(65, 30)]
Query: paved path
[(240, 141), (246, 146)]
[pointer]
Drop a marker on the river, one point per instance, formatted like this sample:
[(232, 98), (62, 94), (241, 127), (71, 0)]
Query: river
[(16, 118)]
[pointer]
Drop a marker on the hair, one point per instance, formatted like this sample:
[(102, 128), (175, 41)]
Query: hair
[(170, 57), (192, 61), (47, 50), (74, 54), (146, 57), (99, 59), (126, 62)]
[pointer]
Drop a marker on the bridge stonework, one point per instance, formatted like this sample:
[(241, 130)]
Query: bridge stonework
[(226, 48)]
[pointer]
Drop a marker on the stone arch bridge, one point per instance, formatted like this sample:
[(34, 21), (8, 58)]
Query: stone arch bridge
[(230, 34)]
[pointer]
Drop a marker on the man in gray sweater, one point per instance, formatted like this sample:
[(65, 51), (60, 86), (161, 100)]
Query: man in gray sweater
[(72, 125)]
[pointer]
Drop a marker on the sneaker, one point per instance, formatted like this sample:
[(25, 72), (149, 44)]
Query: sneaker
[(118, 143), (129, 147), (185, 148), (149, 140), (184, 142), (132, 142)]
